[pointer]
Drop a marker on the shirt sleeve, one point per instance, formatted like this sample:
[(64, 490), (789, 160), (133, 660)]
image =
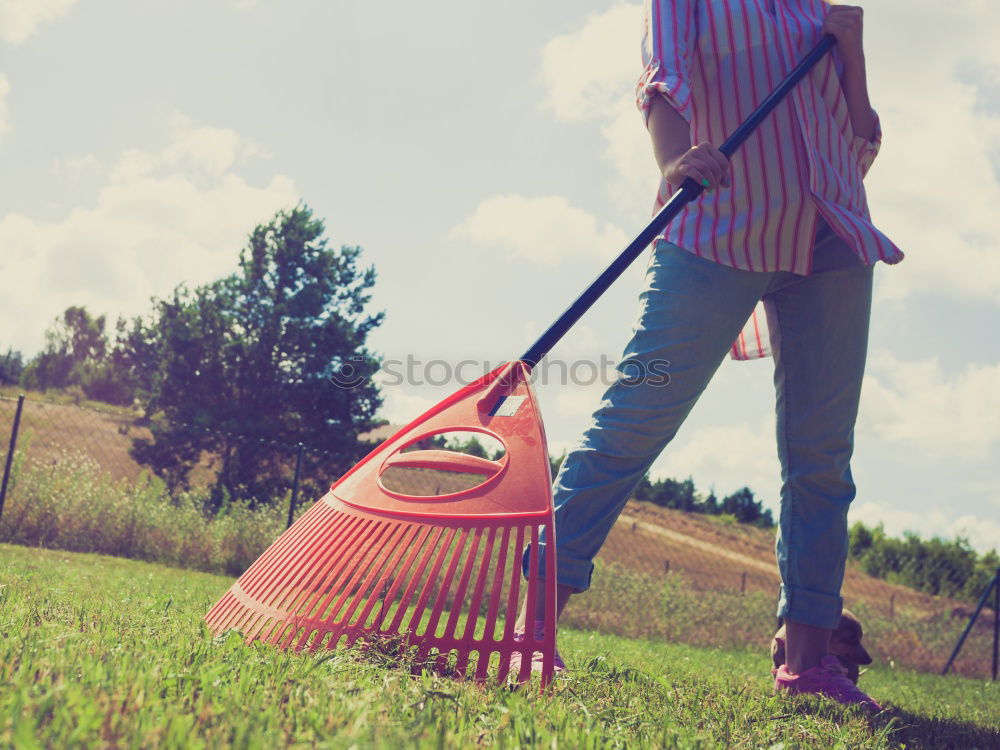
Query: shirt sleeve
[(669, 36), (865, 151)]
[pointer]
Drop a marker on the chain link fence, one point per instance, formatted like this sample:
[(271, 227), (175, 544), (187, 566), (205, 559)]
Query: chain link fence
[(663, 574)]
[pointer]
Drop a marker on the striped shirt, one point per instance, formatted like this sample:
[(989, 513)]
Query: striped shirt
[(714, 61)]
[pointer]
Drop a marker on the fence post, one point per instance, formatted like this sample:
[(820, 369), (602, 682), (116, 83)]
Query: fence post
[(743, 583), (295, 485), (666, 566), (972, 621), (892, 607), (996, 622), (10, 452)]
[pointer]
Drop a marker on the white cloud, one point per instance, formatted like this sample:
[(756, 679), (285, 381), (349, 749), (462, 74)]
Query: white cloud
[(162, 217), (4, 90), (201, 151), (629, 151), (986, 489), (983, 534), (19, 19), (583, 74), (950, 235), (76, 166), (545, 229), (916, 404), (583, 71), (589, 76), (400, 406)]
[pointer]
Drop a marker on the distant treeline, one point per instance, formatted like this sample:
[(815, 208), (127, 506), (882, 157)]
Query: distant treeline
[(945, 568), (741, 506), (669, 493)]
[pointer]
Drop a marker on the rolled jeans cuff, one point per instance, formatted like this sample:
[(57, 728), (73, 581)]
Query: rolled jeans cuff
[(809, 607), (569, 572)]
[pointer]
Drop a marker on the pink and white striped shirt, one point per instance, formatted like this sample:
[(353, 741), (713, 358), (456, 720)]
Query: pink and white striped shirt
[(714, 61)]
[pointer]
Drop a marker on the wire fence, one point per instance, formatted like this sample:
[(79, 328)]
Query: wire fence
[(663, 574)]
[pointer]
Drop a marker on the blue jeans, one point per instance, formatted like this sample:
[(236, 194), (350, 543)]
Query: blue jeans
[(690, 312)]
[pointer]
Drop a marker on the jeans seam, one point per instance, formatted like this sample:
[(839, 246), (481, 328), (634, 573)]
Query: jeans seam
[(790, 487)]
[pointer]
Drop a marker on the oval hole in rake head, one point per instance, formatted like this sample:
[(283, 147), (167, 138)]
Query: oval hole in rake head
[(443, 462)]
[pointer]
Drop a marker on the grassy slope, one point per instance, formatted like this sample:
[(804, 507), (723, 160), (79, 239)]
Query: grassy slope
[(99, 651)]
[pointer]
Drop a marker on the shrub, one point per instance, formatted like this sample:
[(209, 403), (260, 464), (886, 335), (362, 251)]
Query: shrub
[(72, 504)]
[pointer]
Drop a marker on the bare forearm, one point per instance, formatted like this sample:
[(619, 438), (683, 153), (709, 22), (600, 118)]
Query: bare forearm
[(846, 24), (674, 154), (669, 131), (855, 85)]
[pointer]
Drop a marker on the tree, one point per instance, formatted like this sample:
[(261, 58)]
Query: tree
[(244, 368), (11, 367), (74, 343), (126, 375), (78, 351), (742, 505), (710, 505)]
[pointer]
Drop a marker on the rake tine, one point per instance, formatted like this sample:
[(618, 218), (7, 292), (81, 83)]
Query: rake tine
[(332, 555), (298, 587), (405, 539), (425, 593), (472, 620), (237, 609), (261, 570), (512, 594), (442, 597), (348, 580), (272, 597), (422, 536), (463, 584), (219, 615), (378, 560), (279, 555), (343, 558), (287, 571), (404, 601), (489, 633), (529, 631), (285, 540)]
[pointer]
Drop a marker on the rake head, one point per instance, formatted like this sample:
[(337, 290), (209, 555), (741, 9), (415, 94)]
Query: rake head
[(435, 580)]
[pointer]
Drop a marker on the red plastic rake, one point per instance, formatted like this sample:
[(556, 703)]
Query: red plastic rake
[(435, 574), (438, 577)]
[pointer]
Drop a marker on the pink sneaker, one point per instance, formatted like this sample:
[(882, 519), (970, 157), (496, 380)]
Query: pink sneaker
[(829, 679), (536, 658)]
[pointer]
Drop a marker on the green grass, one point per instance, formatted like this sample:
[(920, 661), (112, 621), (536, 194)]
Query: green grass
[(107, 652)]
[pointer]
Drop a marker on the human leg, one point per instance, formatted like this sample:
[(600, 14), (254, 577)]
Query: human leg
[(819, 332), (691, 310)]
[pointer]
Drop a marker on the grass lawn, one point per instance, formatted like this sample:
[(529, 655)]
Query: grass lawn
[(106, 652)]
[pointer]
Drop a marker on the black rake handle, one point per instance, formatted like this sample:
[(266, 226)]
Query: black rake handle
[(688, 191)]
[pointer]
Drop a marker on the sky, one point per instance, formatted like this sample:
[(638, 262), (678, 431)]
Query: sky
[(489, 159)]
